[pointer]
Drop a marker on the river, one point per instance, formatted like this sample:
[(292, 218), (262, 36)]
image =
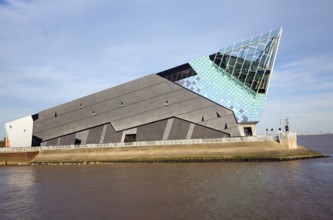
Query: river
[(301, 189)]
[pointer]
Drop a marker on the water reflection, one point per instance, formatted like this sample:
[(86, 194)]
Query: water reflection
[(300, 189), (17, 189)]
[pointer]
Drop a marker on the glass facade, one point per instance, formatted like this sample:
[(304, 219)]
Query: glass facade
[(237, 77)]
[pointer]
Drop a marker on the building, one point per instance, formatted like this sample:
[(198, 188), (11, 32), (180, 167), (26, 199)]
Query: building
[(214, 96)]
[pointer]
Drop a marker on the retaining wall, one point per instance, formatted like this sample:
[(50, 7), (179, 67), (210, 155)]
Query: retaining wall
[(143, 143)]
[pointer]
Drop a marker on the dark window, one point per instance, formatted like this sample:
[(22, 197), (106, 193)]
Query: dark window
[(202, 119), (130, 138), (178, 73), (226, 126), (248, 131), (55, 114), (218, 115), (77, 141), (35, 117)]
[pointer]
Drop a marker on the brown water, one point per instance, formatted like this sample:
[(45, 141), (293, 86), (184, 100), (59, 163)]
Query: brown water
[(226, 190)]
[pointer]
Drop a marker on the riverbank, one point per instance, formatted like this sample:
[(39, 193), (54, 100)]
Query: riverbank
[(230, 151)]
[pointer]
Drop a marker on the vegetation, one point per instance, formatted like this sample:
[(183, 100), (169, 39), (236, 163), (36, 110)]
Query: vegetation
[(2, 143)]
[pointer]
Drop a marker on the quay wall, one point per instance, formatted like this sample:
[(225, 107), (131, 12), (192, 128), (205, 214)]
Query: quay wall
[(143, 143), (262, 148)]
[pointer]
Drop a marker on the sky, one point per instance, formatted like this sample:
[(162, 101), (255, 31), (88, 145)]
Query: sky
[(56, 51)]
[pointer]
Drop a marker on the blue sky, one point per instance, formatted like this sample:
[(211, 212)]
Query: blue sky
[(58, 50)]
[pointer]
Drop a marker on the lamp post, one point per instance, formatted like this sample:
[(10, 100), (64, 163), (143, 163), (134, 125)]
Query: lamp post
[(284, 123)]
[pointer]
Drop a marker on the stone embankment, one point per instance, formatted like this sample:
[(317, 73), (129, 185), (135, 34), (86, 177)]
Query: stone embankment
[(226, 149)]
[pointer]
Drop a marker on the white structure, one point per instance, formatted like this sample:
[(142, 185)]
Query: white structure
[(19, 132)]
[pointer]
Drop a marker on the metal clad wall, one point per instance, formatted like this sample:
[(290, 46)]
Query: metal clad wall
[(151, 132), (145, 101), (95, 135), (204, 133), (111, 136), (179, 129), (67, 139), (52, 142)]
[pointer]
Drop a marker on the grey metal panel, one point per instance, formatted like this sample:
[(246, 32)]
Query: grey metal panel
[(144, 94), (137, 110), (179, 129), (40, 116), (149, 80), (190, 131), (219, 123), (102, 96), (142, 118), (151, 132), (154, 112), (130, 86), (194, 116), (111, 136), (82, 136), (83, 114), (221, 110), (103, 134), (63, 119), (49, 113), (128, 99), (52, 142), (79, 121), (88, 100), (67, 139), (95, 134), (116, 91), (110, 105), (174, 86), (205, 133), (167, 129), (161, 89), (234, 131)]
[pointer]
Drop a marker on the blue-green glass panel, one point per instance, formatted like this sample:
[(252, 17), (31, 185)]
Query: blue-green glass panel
[(217, 86)]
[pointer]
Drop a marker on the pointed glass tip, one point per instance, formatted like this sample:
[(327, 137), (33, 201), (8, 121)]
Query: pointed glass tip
[(250, 61)]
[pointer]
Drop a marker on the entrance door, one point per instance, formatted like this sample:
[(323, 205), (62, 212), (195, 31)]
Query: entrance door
[(248, 131)]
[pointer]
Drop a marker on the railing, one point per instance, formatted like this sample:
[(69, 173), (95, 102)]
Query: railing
[(142, 143)]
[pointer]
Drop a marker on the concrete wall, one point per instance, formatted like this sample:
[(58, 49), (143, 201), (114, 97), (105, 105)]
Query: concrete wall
[(288, 139), (144, 143), (19, 132)]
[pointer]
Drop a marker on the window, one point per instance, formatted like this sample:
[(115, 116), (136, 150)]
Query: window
[(77, 141), (130, 138), (248, 131)]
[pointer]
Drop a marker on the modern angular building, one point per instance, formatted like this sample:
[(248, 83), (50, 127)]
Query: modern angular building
[(214, 96)]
